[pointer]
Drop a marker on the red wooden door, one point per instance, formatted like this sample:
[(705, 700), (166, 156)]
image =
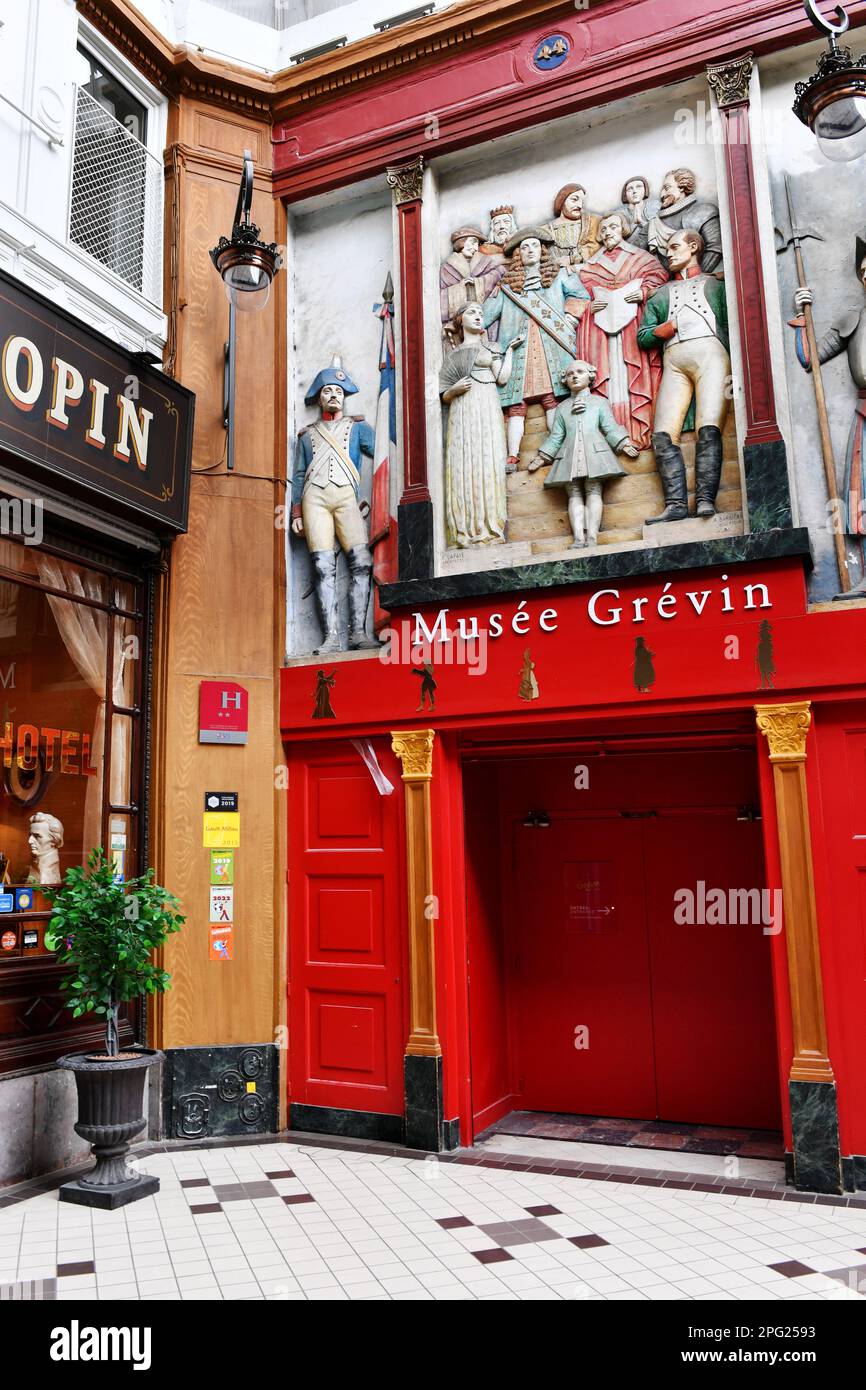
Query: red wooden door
[(580, 962), (345, 955), (715, 1036)]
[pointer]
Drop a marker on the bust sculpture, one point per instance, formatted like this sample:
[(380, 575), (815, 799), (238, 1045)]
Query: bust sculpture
[(45, 839)]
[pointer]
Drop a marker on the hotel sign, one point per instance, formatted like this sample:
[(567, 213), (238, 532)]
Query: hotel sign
[(75, 405)]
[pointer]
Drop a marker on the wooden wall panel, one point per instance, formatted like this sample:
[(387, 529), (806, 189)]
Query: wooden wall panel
[(225, 600)]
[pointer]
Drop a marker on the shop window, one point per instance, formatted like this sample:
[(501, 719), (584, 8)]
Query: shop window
[(116, 200), (70, 720)]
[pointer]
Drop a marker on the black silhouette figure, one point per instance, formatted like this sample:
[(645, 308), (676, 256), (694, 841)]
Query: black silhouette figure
[(428, 684), (323, 709), (764, 659), (644, 671)]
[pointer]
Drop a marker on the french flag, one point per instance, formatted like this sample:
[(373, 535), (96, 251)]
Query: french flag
[(383, 524)]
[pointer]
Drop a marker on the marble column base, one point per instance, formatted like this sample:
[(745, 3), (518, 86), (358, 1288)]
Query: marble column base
[(817, 1163), (765, 468), (854, 1173), (415, 540), (425, 1122)]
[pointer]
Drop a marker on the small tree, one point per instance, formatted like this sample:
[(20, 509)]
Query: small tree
[(105, 931)]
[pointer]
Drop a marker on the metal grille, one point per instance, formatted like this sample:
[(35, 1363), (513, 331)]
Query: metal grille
[(115, 212)]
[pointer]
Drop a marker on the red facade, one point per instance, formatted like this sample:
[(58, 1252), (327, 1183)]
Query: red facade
[(550, 901)]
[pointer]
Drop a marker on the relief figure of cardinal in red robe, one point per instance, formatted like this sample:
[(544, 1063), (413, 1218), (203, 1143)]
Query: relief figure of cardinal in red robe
[(620, 278)]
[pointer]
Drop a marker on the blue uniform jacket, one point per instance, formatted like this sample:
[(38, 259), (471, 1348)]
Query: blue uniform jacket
[(362, 440)]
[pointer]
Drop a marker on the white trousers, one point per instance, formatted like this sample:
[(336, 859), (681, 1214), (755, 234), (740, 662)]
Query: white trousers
[(331, 511), (699, 366)]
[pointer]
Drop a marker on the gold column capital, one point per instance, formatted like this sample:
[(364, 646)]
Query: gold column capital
[(785, 728), (414, 748), (729, 81), (406, 181)]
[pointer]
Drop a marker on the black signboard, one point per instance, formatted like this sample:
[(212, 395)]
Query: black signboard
[(220, 801), (74, 404)]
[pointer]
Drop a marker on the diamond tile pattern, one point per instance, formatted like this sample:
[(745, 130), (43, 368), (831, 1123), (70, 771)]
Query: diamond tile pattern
[(327, 1220)]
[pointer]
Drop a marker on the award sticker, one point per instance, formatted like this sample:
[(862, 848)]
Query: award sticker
[(221, 830), (221, 943), (222, 904), (9, 940), (222, 867), (7, 902)]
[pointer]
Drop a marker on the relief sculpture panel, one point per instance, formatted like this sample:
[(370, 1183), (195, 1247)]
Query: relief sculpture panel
[(586, 376)]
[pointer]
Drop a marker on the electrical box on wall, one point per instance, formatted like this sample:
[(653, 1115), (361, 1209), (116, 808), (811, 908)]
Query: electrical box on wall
[(213, 1091)]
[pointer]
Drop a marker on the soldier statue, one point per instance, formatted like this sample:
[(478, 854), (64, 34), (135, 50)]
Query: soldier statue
[(325, 506), (688, 319), (846, 336)]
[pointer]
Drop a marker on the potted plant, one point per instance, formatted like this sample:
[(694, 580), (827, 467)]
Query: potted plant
[(105, 931)]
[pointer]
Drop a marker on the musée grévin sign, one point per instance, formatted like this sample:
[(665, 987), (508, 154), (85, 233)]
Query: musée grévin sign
[(75, 404)]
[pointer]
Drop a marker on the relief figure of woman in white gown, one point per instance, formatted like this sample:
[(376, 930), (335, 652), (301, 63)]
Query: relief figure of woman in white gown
[(476, 450)]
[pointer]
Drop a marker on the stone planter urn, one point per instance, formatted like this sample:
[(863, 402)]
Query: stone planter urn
[(110, 1116)]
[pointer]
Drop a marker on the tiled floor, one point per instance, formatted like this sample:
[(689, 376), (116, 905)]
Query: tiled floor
[(641, 1134), (303, 1221)]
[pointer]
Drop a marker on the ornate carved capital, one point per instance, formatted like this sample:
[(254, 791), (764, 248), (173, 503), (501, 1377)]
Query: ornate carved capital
[(414, 748), (406, 181), (729, 82), (785, 728)]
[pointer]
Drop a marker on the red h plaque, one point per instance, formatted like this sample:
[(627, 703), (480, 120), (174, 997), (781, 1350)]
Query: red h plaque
[(223, 712)]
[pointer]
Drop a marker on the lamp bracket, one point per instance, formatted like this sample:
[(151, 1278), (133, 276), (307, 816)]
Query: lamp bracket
[(824, 23)]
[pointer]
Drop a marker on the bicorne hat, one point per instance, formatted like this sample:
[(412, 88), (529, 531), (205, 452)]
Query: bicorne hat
[(331, 376)]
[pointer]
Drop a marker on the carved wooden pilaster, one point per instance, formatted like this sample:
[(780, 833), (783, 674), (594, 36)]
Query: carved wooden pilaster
[(414, 748), (729, 83), (785, 728)]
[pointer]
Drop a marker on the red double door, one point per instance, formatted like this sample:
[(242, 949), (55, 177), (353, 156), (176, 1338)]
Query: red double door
[(618, 1007)]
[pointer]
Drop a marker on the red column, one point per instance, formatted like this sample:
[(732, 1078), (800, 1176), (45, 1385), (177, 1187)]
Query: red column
[(729, 83), (406, 182)]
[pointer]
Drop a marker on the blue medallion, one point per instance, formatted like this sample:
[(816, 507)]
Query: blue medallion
[(551, 53)]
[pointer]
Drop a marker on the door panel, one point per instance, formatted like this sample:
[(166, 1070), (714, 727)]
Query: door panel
[(580, 961), (715, 1038), (345, 954)]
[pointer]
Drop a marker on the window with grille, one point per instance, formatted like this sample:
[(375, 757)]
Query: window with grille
[(115, 210)]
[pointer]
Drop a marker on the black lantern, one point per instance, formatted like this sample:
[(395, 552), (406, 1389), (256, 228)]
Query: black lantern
[(832, 103), (246, 263)]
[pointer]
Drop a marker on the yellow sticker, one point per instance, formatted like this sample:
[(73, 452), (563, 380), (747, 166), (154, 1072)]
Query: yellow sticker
[(222, 829), (251, 1085)]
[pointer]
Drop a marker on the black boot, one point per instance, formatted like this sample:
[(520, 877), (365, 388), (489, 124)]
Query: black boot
[(672, 471), (858, 591), (360, 575), (325, 579), (708, 469)]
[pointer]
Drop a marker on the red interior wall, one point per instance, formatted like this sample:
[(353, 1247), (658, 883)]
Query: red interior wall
[(488, 1021)]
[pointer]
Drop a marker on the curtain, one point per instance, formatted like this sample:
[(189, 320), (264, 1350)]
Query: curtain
[(8, 591), (84, 632)]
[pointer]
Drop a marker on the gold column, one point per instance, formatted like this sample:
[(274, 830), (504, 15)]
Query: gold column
[(785, 728), (414, 748)]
